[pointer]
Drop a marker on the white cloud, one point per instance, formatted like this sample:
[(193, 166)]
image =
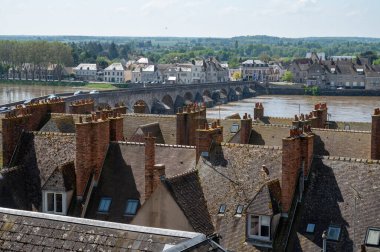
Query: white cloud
[(229, 10)]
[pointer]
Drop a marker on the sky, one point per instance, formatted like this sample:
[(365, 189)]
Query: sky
[(191, 18)]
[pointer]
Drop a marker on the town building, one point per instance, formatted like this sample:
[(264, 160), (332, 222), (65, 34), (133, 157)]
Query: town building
[(256, 70), (115, 73), (86, 72)]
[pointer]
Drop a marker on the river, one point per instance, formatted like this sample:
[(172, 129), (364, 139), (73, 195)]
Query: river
[(13, 93), (348, 108), (340, 108)]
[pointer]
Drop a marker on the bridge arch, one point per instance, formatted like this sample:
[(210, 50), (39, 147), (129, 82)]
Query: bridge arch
[(168, 101), (159, 107), (188, 98), (207, 93), (232, 95), (178, 103), (198, 98)]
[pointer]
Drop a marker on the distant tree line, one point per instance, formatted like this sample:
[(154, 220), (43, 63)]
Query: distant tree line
[(31, 58)]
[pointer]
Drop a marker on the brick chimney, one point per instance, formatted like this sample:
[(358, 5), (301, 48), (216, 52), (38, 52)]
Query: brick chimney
[(12, 127), (206, 136), (297, 152), (258, 111), (82, 107), (120, 108), (189, 119), (116, 127), (150, 154), (92, 139), (319, 116), (139, 108), (375, 135), (158, 174), (246, 129)]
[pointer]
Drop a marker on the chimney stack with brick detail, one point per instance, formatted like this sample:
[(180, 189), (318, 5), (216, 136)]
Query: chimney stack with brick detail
[(258, 111), (297, 153), (139, 107), (319, 116), (246, 129), (150, 156), (92, 139), (206, 136), (375, 135), (189, 119), (82, 107), (116, 127)]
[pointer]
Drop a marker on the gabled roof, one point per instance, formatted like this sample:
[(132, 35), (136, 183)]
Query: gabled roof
[(341, 192), (86, 66), (123, 175), (143, 130), (62, 179), (32, 231), (188, 194), (115, 67), (233, 176), (61, 123), (267, 200)]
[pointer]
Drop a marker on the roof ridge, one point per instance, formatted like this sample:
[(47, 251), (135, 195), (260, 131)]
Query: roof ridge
[(273, 125), (183, 174), (252, 146), (349, 159), (147, 115), (157, 144), (340, 130), (102, 224), (47, 133)]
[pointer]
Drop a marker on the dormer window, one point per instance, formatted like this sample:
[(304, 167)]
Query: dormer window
[(131, 207), (333, 233), (222, 209), (104, 205), (54, 202), (373, 237), (259, 227)]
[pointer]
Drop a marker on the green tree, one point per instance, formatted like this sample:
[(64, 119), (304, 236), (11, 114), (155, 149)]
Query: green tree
[(288, 76), (236, 75), (376, 62), (112, 51), (103, 62)]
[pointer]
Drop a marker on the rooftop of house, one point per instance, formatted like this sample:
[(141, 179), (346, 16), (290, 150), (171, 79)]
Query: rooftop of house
[(123, 175), (38, 157), (143, 130), (30, 231), (339, 194), (115, 67), (60, 123), (86, 66), (233, 176), (149, 68), (143, 61)]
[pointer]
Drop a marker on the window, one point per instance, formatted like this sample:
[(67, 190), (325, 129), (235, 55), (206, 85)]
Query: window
[(310, 228), (239, 210), (54, 202), (259, 227), (333, 233), (373, 237), (104, 205), (131, 207), (222, 209), (234, 128)]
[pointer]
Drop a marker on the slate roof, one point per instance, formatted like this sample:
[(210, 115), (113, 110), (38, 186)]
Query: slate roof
[(234, 176), (123, 175), (61, 123), (329, 198), (267, 200), (115, 67), (142, 131), (85, 66), (62, 179), (32, 231), (188, 194), (39, 155)]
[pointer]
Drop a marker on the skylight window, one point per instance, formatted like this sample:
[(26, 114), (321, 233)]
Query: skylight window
[(333, 233), (310, 228), (104, 205), (239, 210), (373, 237), (234, 128), (131, 207), (222, 209)]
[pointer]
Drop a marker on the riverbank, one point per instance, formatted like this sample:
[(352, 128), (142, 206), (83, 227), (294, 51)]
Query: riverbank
[(75, 84)]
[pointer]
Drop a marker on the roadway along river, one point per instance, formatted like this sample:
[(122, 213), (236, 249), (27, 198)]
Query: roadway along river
[(346, 109), (353, 108)]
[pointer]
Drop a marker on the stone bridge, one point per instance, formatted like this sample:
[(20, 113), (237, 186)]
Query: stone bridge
[(168, 98)]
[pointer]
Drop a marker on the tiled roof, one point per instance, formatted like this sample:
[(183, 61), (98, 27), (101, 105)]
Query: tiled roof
[(188, 194), (329, 199), (40, 154), (115, 67), (32, 231), (62, 179), (123, 175), (142, 131), (85, 66), (267, 200), (233, 176), (61, 123)]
